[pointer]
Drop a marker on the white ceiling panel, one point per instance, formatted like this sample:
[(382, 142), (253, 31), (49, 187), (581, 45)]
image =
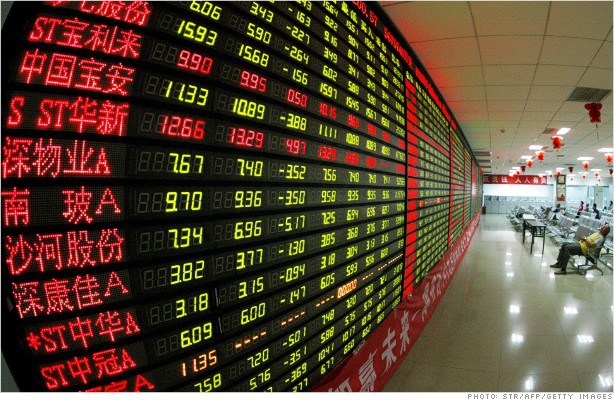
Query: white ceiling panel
[(538, 126), (508, 74), (537, 115), (569, 51), (507, 18), (506, 105), (557, 75), (449, 52), (480, 118), (553, 93), (505, 115), (510, 49), (507, 92), (466, 93), (438, 20), (472, 106), (542, 105), (583, 19), (457, 76), (597, 78)]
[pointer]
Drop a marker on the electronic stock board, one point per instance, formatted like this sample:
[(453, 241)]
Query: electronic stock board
[(214, 196)]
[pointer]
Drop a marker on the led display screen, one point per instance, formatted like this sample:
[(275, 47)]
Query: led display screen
[(214, 196)]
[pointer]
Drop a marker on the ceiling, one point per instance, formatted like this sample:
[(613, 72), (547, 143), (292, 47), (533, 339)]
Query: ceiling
[(506, 69)]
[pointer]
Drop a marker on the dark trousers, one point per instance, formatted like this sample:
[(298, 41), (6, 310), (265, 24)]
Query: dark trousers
[(566, 251)]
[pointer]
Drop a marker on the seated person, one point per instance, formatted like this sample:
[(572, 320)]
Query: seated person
[(587, 246), (595, 211), (608, 208), (557, 208), (580, 209)]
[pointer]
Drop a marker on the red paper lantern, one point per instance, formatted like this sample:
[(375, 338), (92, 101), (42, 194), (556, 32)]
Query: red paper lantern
[(583, 176), (550, 175), (611, 171), (593, 112), (523, 168), (585, 164), (517, 172), (571, 178), (529, 163), (599, 180), (540, 155), (558, 173), (570, 169), (596, 174), (557, 142), (609, 157)]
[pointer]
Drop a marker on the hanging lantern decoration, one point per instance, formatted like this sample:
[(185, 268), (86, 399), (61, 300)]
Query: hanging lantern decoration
[(599, 180), (540, 155), (583, 176), (523, 168), (557, 142), (558, 173), (550, 175), (596, 174), (611, 170), (585, 165), (529, 163), (570, 170), (517, 172), (609, 157), (571, 178), (593, 112)]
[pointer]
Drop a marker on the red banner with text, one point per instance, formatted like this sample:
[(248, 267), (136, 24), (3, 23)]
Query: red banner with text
[(515, 180), (373, 363)]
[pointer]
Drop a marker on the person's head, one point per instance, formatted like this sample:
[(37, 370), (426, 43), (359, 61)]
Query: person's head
[(604, 230), (558, 205), (611, 203), (581, 203)]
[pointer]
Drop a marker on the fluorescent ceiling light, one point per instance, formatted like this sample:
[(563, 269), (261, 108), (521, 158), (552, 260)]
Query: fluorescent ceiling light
[(571, 174), (548, 172), (563, 131), (606, 150), (596, 169), (560, 169), (526, 157), (585, 158), (515, 167), (535, 147)]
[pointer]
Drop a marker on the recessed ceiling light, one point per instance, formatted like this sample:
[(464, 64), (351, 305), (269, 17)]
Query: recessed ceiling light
[(526, 157), (515, 167), (596, 169), (606, 150), (585, 158), (548, 172), (571, 174), (563, 131), (535, 147), (560, 169)]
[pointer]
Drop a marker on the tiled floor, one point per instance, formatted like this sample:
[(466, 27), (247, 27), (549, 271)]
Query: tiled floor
[(507, 323)]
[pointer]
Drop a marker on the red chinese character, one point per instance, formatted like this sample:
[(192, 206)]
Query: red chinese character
[(61, 70), (107, 362), (20, 254), (33, 63), (56, 292), (109, 323), (112, 118), (84, 113), (129, 44), (73, 33), (16, 157), (90, 75), (79, 368), (137, 12), (81, 330), (27, 299), (16, 207), (99, 39), (78, 204), (110, 246), (48, 158), (79, 249), (108, 200), (79, 157), (87, 291), (49, 250), (119, 76)]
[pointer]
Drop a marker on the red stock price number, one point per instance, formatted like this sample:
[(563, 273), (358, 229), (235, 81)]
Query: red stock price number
[(253, 81), (246, 138)]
